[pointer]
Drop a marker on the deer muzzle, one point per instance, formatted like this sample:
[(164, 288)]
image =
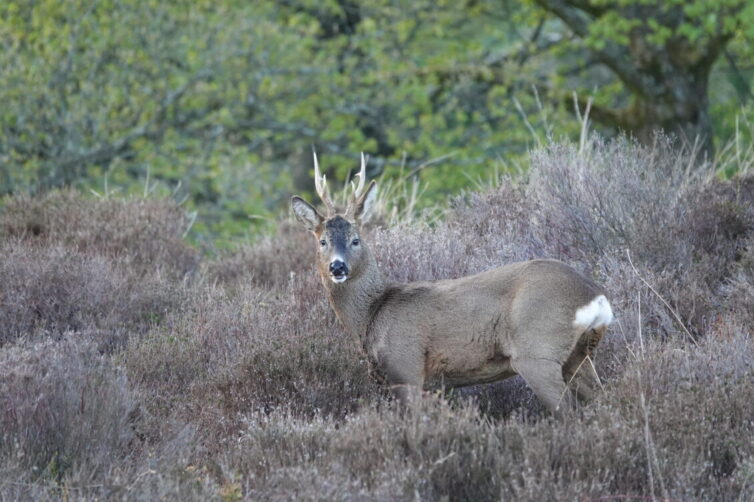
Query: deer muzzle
[(338, 271)]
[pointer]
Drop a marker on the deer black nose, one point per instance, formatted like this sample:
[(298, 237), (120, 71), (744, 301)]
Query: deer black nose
[(338, 268)]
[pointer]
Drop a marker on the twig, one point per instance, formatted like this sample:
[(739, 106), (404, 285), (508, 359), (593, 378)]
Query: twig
[(641, 338), (584, 121), (428, 163), (576, 371), (651, 451), (591, 363), (653, 290), (526, 122), (607, 498), (568, 383), (625, 338)]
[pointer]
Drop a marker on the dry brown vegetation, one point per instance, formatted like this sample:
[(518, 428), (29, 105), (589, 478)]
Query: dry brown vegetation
[(131, 371)]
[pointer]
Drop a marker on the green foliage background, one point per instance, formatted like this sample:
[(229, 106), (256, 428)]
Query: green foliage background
[(218, 104)]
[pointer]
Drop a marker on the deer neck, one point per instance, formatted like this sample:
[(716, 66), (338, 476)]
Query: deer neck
[(353, 299)]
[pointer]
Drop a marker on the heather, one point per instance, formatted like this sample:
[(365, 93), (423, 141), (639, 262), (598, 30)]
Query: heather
[(133, 368)]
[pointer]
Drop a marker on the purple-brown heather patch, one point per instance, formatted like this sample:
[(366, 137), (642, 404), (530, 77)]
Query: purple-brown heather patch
[(132, 371)]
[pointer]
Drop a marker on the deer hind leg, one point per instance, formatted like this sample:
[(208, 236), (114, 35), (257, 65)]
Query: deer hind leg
[(545, 377), (579, 372), (583, 378), (588, 382)]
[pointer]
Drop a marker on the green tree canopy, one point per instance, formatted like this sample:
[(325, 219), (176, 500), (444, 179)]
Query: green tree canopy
[(220, 103), (661, 53)]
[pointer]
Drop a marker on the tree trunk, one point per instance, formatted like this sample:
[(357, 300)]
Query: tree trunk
[(668, 79)]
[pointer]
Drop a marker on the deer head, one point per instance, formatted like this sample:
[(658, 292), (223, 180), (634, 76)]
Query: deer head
[(342, 255)]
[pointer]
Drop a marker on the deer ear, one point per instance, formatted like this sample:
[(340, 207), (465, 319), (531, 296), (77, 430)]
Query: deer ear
[(306, 214), (366, 202)]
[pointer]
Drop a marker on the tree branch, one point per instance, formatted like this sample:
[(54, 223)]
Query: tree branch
[(605, 116), (591, 9), (152, 130), (613, 56), (743, 82)]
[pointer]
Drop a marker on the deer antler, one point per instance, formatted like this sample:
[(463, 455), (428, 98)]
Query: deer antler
[(362, 178), (358, 190), (320, 183)]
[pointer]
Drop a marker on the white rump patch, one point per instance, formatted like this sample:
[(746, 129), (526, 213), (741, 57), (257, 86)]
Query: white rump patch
[(596, 314)]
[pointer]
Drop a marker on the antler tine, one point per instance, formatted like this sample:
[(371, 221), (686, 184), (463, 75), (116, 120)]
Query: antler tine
[(362, 178), (320, 183)]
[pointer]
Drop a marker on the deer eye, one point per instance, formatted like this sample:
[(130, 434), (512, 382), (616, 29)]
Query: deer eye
[(323, 243), (355, 242)]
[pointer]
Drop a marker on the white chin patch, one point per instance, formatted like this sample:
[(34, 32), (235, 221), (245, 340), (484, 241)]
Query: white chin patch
[(338, 280)]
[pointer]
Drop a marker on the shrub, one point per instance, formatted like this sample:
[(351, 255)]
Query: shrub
[(438, 452), (147, 235), (247, 387), (48, 291), (738, 291), (685, 230), (233, 353), (269, 262), (64, 408)]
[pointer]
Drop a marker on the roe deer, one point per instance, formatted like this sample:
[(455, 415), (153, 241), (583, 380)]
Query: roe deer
[(539, 319)]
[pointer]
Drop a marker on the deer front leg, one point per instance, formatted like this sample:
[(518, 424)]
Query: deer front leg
[(406, 393), (405, 376)]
